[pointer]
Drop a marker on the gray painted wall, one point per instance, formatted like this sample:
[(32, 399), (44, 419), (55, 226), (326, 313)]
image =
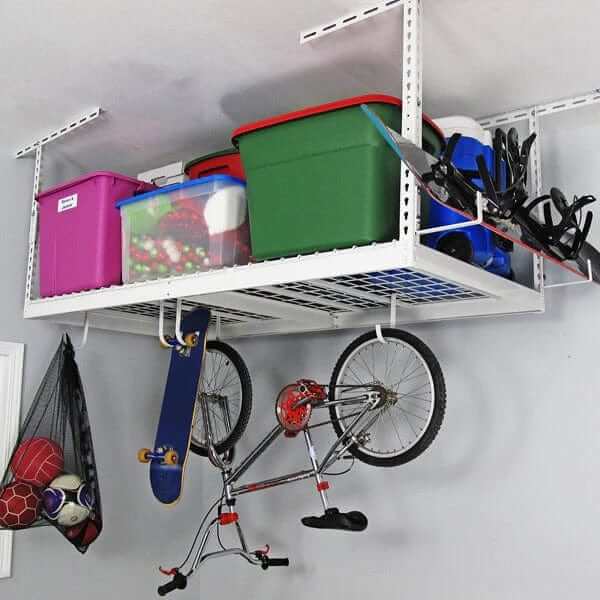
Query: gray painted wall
[(503, 505)]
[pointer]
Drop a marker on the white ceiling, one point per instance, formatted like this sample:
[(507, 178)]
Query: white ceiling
[(176, 77)]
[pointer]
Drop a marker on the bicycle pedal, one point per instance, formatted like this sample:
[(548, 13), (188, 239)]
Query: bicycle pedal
[(334, 519)]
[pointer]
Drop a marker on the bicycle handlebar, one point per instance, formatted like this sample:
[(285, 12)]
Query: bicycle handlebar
[(274, 562), (179, 582)]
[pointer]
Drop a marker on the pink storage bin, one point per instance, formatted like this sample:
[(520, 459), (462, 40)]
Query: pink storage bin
[(80, 232)]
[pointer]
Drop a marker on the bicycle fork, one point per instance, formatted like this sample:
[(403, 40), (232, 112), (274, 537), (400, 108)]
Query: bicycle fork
[(224, 518)]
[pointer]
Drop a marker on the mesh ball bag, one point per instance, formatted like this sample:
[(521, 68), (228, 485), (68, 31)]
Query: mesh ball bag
[(51, 476)]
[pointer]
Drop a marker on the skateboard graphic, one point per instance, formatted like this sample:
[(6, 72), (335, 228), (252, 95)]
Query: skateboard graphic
[(421, 165), (169, 457)]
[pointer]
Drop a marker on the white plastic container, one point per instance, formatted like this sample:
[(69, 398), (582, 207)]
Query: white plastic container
[(465, 126), (185, 228)]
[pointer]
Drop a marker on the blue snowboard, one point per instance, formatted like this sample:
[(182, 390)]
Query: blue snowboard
[(177, 414)]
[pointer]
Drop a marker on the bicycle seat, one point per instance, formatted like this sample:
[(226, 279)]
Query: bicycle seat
[(334, 519)]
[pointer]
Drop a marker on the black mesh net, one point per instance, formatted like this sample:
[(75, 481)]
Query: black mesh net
[(51, 477)]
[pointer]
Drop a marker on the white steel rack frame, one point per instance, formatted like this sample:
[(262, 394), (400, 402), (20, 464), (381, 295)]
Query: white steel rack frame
[(346, 288), (532, 115)]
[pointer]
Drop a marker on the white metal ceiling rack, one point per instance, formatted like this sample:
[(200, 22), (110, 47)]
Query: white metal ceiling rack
[(340, 289)]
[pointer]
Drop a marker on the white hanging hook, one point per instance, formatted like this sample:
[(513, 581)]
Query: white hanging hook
[(178, 333), (218, 327), (378, 331), (161, 325), (86, 329), (393, 311)]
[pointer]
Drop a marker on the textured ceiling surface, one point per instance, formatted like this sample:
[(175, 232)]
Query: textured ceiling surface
[(175, 78)]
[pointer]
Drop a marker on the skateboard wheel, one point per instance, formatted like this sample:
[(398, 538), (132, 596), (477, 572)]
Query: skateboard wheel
[(170, 457), (143, 455), (191, 340)]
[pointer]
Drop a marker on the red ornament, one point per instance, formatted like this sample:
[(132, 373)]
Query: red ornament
[(184, 223)]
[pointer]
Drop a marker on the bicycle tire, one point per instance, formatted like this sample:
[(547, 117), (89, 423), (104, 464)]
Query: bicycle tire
[(439, 405), (241, 423)]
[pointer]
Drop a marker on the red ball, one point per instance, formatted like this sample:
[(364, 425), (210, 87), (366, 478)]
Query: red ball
[(84, 533), (20, 505), (37, 461)]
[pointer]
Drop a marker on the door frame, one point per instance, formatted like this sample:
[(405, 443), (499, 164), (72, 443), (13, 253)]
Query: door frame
[(11, 380)]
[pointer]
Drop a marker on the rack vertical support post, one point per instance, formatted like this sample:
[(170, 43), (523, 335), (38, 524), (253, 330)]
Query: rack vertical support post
[(412, 115), (33, 225), (536, 191), (36, 148)]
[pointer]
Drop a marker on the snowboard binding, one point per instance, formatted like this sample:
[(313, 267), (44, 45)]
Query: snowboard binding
[(508, 199)]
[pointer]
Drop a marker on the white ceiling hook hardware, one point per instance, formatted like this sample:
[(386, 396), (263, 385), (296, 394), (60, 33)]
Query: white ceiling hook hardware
[(477, 221), (178, 333), (332, 26), (51, 136), (378, 331), (161, 326), (393, 298), (86, 329), (589, 279), (551, 108)]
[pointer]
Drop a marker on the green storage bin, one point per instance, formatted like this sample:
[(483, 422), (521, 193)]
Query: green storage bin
[(323, 177)]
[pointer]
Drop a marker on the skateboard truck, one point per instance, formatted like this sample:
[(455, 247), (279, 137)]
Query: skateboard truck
[(167, 457)]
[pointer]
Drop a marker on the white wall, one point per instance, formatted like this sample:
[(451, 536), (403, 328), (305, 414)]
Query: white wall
[(503, 505)]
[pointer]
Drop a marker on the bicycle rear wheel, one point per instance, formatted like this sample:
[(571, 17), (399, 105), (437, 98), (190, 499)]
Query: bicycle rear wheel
[(226, 387), (410, 417)]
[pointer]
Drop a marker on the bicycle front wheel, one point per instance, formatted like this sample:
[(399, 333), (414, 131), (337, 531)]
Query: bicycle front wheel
[(409, 417)]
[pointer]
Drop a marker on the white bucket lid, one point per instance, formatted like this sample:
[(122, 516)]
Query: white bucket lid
[(465, 126)]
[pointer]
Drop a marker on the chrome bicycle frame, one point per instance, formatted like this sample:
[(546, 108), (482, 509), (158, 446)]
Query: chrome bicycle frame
[(367, 401)]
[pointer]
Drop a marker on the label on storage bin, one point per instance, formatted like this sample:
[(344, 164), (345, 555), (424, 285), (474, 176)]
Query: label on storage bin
[(67, 203)]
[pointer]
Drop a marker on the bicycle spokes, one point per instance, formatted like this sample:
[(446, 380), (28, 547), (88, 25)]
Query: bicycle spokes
[(406, 388)]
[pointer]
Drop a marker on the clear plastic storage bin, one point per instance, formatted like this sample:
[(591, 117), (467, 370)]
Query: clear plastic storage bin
[(184, 228)]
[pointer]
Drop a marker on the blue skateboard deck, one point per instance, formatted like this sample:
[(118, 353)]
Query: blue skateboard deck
[(177, 413)]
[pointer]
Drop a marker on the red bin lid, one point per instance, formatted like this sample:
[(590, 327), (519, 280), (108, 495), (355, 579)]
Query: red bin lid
[(323, 108)]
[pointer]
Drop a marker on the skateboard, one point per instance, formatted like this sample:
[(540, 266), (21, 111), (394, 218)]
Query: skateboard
[(169, 457), (420, 164)]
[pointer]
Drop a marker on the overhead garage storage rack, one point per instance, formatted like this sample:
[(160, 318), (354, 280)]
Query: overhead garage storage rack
[(354, 287)]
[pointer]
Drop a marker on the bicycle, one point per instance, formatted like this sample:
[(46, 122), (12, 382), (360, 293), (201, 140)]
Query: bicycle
[(386, 403)]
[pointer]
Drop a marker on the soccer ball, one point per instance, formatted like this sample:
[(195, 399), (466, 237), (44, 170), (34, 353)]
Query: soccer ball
[(67, 500), (38, 461), (20, 505)]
